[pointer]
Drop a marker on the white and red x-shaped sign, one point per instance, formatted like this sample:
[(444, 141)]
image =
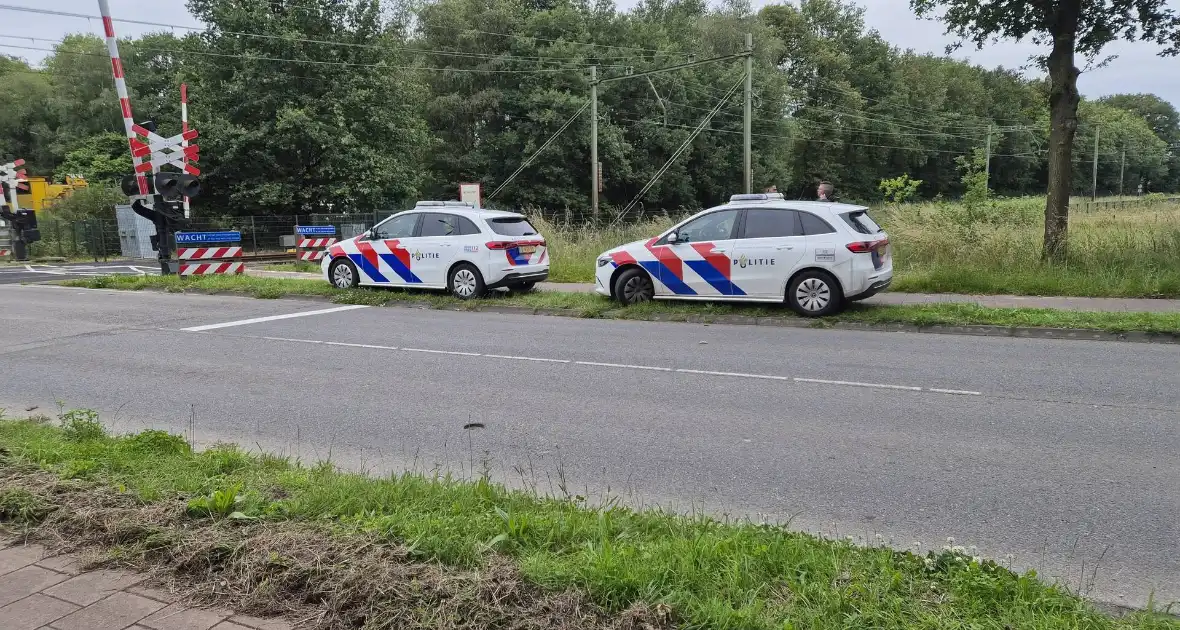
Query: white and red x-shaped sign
[(9, 175), (165, 151)]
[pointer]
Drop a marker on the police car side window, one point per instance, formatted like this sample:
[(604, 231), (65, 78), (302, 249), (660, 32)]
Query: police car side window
[(466, 227), (771, 223), (715, 226), (435, 224), (397, 227), (813, 225)]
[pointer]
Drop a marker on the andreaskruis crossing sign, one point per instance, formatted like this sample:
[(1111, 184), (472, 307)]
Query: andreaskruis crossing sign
[(165, 151)]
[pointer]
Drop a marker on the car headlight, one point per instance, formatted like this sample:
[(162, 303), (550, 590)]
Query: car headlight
[(603, 261)]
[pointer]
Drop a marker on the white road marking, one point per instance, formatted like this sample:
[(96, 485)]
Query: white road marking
[(358, 345), (736, 374), (855, 384), (625, 366), (954, 392), (271, 318), (504, 356), (461, 354)]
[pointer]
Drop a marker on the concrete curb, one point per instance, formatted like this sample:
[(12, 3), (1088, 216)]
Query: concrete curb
[(1073, 334)]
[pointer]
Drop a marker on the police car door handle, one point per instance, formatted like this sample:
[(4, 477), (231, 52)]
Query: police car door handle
[(785, 247), (717, 251)]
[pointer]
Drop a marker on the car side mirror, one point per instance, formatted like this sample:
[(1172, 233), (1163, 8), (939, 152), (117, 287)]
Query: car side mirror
[(673, 237)]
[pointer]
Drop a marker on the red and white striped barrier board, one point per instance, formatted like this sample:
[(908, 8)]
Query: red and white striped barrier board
[(4, 252), (212, 268), (312, 255), (306, 243), (208, 253)]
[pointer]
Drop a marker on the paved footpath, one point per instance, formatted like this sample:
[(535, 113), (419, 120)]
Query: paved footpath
[(41, 591), (1108, 305)]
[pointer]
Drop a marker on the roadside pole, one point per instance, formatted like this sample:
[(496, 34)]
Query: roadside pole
[(987, 168), (184, 129), (1122, 171), (594, 141), (747, 122)]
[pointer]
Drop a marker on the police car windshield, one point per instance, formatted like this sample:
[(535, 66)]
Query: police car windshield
[(861, 222), (512, 226)]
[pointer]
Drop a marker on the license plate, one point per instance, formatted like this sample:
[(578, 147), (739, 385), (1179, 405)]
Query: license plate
[(527, 249)]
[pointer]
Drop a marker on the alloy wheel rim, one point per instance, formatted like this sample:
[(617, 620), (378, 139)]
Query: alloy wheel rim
[(342, 276), (813, 295), (465, 283)]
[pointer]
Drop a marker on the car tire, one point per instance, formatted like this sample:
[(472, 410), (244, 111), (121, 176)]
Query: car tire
[(522, 287), (814, 293), (342, 274), (634, 286), (466, 283)]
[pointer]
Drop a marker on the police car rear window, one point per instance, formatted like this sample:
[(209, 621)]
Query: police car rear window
[(512, 226), (861, 222)]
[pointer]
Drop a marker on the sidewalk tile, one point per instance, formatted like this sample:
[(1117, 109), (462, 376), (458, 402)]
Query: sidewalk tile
[(62, 564), (18, 557), (229, 625), (92, 586), (153, 593), (260, 624), (177, 617), (24, 582), (113, 613), (33, 611)]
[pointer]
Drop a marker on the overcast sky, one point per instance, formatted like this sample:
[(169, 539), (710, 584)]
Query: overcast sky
[(1137, 69)]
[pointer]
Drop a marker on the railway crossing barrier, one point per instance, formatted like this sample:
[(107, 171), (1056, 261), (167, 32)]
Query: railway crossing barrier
[(212, 253), (313, 241)]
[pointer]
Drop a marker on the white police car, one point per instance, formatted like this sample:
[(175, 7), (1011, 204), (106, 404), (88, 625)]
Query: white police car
[(757, 248), (442, 245)]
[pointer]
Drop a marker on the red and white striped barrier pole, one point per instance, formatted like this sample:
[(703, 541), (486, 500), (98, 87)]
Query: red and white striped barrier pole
[(104, 8), (184, 129)]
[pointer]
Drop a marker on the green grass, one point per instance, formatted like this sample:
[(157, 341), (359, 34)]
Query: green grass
[(942, 247), (712, 574), (593, 305), (301, 266)]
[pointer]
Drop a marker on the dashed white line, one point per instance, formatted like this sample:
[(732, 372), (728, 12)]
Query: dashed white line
[(624, 366), (767, 377), (954, 392), (512, 358), (460, 354), (855, 384), (358, 345), (271, 318)]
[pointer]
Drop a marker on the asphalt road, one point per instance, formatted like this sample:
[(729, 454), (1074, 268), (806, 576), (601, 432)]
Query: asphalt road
[(16, 273), (1062, 454)]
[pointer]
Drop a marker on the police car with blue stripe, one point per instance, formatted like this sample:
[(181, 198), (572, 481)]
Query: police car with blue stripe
[(817, 256)]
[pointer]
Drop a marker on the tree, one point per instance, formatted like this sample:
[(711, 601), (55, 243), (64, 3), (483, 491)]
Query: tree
[(1066, 27), (1165, 123)]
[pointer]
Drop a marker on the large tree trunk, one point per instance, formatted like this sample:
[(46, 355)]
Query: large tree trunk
[(1063, 105)]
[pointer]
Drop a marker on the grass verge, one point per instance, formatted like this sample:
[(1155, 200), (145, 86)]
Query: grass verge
[(595, 306), (269, 536)]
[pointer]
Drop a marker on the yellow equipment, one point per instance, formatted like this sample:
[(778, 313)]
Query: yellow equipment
[(43, 194)]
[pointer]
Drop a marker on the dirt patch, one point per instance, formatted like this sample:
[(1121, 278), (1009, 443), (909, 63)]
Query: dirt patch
[(319, 575)]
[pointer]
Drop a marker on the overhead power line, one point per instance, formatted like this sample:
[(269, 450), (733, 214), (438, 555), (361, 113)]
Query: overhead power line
[(300, 40), (342, 64)]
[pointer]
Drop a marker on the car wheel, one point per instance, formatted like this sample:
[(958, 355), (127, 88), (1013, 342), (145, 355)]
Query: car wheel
[(343, 274), (522, 287), (814, 294), (634, 286), (466, 283)]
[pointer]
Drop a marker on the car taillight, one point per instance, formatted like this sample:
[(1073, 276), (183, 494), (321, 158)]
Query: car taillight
[(865, 247), (498, 244)]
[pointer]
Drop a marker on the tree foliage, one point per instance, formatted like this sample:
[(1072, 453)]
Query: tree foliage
[(360, 105), (1065, 28)]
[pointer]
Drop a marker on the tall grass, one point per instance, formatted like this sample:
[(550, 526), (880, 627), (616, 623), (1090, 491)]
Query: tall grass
[(1119, 252), (1130, 250)]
